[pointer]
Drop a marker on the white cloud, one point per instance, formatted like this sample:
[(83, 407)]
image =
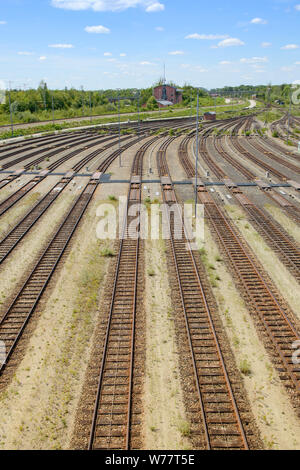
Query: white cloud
[(61, 46), (97, 29), (297, 7), (290, 47), (43, 57), (123, 54), (297, 63), (225, 62), (266, 44), (231, 42), (107, 54), (254, 60), (25, 53), (145, 62), (155, 7), (176, 53), (258, 21), (200, 69), (159, 28), (107, 5), (3, 22), (208, 37), (287, 69)]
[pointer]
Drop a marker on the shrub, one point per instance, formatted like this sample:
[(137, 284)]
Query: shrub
[(245, 367), (107, 253)]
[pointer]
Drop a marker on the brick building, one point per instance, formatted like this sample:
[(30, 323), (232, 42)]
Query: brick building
[(210, 116), (167, 95)]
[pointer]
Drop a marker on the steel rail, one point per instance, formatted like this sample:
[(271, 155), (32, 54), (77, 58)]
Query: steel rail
[(264, 299), (106, 433), (186, 268), (16, 317), (15, 197)]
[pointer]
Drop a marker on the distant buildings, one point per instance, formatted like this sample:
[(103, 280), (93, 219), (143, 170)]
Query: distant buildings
[(210, 116), (167, 95)]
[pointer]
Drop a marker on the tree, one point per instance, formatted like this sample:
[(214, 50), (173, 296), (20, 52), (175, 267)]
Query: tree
[(152, 103)]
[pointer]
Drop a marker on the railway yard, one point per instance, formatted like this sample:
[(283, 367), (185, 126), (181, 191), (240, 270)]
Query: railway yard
[(133, 342)]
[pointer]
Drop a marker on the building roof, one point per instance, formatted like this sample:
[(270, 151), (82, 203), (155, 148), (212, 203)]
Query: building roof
[(212, 113), (165, 102)]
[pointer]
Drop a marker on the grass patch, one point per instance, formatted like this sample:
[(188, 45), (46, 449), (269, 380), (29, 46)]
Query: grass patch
[(107, 253), (184, 428), (245, 367), (151, 272)]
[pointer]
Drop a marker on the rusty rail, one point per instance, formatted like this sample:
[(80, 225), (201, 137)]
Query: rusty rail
[(221, 421)]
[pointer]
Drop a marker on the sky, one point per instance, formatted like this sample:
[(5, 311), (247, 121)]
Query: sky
[(101, 44)]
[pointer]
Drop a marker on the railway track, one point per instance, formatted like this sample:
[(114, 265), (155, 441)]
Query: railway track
[(271, 314), (38, 149), (12, 199), (9, 179), (220, 417), (16, 235), (254, 143), (34, 140), (276, 237), (291, 209), (111, 427), (16, 317), (262, 164)]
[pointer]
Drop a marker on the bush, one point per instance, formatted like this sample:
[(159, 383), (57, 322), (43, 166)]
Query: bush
[(107, 253), (245, 368)]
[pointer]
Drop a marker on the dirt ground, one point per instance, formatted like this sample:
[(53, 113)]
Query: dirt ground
[(164, 406), (290, 226)]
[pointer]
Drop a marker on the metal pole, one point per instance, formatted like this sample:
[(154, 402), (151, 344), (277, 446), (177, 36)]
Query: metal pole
[(91, 106), (11, 115), (289, 119), (197, 154), (139, 124), (82, 102), (52, 109), (120, 156), (44, 95)]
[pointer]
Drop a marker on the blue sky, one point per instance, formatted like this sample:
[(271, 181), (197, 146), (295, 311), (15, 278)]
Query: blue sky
[(101, 44)]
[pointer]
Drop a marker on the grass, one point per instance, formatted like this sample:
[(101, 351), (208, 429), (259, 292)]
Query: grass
[(151, 272), (112, 198), (184, 428), (50, 127), (107, 253), (245, 367), (270, 116)]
